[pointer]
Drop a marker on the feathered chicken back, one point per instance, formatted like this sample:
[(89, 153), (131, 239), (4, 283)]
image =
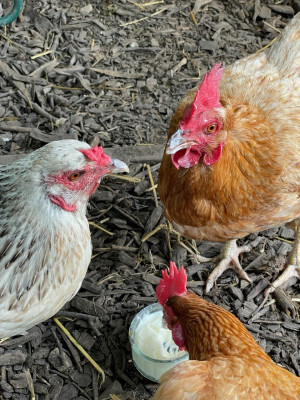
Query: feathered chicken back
[(225, 361)]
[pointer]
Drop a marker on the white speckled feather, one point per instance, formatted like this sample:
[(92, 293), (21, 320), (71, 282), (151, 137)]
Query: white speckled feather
[(45, 249)]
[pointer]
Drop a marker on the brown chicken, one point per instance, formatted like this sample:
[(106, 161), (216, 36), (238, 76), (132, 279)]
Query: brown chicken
[(45, 244), (232, 162), (225, 362)]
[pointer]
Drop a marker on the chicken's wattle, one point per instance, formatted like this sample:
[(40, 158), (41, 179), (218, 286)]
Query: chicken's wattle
[(212, 158), (186, 158)]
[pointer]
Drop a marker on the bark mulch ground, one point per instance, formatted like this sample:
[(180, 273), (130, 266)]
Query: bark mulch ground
[(111, 73)]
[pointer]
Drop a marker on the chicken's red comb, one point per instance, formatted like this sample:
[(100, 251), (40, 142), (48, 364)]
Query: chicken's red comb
[(97, 155), (172, 284), (207, 96)]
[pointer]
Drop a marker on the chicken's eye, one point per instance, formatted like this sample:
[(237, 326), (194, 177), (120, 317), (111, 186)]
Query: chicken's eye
[(76, 175), (211, 128)]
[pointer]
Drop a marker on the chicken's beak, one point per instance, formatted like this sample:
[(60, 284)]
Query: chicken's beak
[(118, 166), (115, 167), (178, 142)]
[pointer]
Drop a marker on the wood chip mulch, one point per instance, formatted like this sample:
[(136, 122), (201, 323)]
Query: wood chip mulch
[(111, 73)]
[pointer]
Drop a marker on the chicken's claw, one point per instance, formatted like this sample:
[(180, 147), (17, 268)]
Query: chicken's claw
[(293, 264), (229, 259), (285, 303), (292, 269), (289, 272)]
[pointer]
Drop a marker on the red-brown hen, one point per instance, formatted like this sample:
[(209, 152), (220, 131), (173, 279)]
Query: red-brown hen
[(232, 162), (225, 362)]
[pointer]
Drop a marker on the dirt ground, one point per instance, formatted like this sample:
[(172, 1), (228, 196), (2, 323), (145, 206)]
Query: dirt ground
[(111, 73)]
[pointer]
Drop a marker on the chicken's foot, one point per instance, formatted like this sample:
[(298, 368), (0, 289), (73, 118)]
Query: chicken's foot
[(229, 259), (293, 264)]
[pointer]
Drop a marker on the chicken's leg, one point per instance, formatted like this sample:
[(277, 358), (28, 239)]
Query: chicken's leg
[(293, 264), (229, 259)]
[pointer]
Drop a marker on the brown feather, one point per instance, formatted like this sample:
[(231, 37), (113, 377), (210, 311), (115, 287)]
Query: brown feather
[(255, 183), (225, 363)]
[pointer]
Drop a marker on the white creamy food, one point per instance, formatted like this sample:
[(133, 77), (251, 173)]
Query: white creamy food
[(153, 349), (154, 340)]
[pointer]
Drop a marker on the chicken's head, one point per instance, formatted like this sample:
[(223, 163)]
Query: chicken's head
[(172, 284), (70, 171), (197, 133)]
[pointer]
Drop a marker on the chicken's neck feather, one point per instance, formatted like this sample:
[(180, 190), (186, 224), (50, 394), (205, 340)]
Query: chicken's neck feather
[(211, 331), (38, 240)]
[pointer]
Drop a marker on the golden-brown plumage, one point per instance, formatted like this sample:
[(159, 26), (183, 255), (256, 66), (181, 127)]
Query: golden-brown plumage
[(254, 185), (227, 200), (225, 363)]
